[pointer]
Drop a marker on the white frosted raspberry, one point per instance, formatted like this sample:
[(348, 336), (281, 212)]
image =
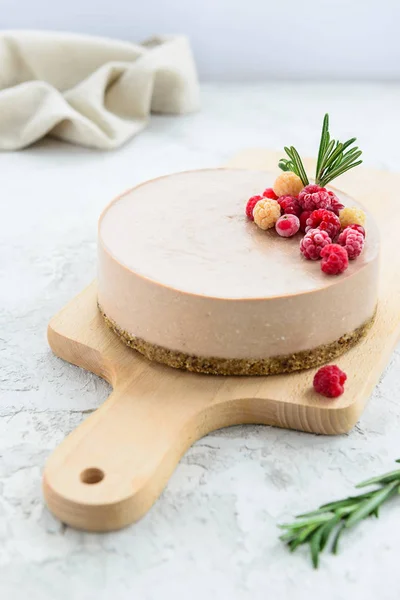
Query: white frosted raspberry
[(351, 215), (266, 213), (288, 184)]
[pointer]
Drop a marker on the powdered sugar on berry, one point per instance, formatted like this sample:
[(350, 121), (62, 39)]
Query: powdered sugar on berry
[(313, 242)]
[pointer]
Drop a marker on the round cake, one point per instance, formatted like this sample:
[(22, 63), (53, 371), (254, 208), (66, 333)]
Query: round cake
[(187, 280)]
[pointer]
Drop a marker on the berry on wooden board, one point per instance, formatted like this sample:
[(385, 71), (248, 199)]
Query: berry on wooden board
[(329, 381)]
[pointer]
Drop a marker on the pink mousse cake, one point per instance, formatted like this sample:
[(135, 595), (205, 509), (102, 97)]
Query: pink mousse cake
[(187, 280)]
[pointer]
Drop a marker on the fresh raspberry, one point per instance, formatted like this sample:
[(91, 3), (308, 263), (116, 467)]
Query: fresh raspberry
[(269, 193), (329, 381), (250, 206), (266, 213), (303, 219), (313, 243), (356, 227), (336, 205), (290, 205), (353, 241), (287, 225), (313, 197), (334, 259), (288, 184), (352, 215), (324, 219)]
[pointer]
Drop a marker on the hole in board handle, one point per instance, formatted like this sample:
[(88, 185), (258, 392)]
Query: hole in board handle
[(92, 475)]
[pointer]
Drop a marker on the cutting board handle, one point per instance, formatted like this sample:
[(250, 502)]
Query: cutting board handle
[(110, 470)]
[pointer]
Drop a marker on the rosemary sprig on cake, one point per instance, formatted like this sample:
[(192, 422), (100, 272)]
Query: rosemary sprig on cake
[(294, 164), (334, 158), (328, 523), (333, 233)]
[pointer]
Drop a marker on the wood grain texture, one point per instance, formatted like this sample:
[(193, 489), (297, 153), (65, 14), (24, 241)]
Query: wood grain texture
[(111, 469)]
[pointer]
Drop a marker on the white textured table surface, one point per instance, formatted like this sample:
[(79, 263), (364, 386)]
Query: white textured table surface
[(213, 532)]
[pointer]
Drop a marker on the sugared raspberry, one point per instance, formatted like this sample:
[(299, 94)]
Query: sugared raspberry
[(359, 228), (290, 205), (287, 225), (334, 259), (353, 241), (336, 205), (288, 184), (326, 220), (303, 219), (266, 213), (250, 206), (313, 243), (329, 381), (351, 215), (269, 193), (313, 197)]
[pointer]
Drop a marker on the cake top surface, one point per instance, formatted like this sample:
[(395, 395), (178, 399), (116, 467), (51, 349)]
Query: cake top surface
[(189, 231)]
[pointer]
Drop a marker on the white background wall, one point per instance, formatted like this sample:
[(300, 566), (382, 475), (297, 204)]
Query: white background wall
[(241, 40)]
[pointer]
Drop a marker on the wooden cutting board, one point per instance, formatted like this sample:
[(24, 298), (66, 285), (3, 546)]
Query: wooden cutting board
[(112, 468)]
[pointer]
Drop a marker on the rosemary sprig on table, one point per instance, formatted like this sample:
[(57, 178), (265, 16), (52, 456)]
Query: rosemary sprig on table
[(294, 164), (328, 522), (334, 157)]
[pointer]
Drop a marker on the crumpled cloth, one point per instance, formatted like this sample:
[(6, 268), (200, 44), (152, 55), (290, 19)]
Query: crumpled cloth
[(89, 90)]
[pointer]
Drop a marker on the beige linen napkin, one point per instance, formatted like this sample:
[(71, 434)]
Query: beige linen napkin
[(88, 90)]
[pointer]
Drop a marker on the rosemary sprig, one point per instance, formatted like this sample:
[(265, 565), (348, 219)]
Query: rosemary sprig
[(329, 521), (294, 163), (333, 159)]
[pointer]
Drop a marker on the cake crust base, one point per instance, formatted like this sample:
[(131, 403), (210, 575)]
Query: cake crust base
[(275, 365)]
